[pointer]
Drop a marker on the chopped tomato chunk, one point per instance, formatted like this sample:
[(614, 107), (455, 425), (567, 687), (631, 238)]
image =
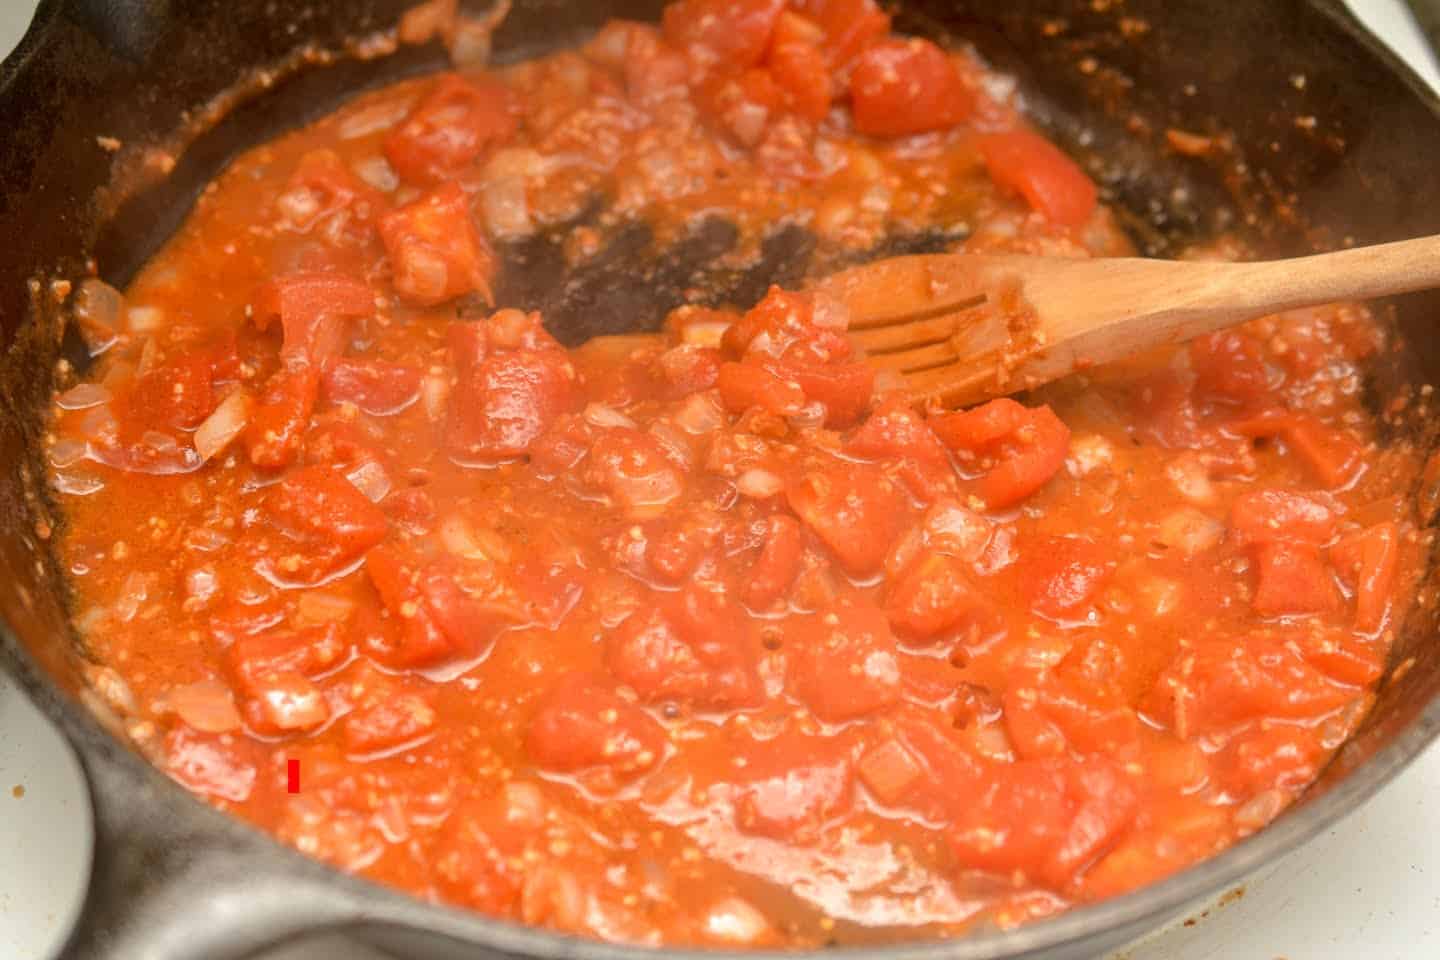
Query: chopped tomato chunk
[(895, 431), (1017, 448), (450, 127), (855, 510), (1218, 684), (632, 469), (1046, 819), (435, 251), (778, 563), (1229, 368), (849, 26), (581, 726), (843, 664), (434, 619), (692, 646), (1334, 457), (177, 394), (323, 524), (313, 308), (935, 596), (1050, 181), (803, 75), (1291, 579), (377, 387), (791, 785), (308, 652), (505, 402), (1367, 562), (276, 431), (902, 87), (1267, 516), (1061, 574), (746, 385), (732, 34)]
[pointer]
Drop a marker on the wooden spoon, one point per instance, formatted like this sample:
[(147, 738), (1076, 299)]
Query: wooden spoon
[(962, 328)]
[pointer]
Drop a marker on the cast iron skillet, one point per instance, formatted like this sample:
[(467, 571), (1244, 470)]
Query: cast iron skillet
[(174, 879)]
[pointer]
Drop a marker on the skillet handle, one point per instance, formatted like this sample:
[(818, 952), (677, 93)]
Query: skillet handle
[(173, 879)]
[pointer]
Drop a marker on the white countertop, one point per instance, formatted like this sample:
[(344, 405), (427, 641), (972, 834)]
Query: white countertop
[(1368, 888)]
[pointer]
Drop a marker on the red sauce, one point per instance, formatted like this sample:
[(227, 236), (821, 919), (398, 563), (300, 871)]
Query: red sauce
[(712, 637)]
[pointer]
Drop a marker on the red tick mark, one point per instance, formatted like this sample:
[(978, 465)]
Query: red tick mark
[(292, 775)]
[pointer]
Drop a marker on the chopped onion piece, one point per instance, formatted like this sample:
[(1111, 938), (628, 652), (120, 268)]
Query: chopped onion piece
[(65, 451), (205, 705), (377, 172), (78, 484), (133, 592), (83, 396), (315, 606), (226, 423), (159, 442), (1260, 809), (97, 308), (464, 539), (201, 583), (759, 484), (700, 414), (205, 540), (370, 479), (811, 415), (144, 319), (149, 357), (599, 415), (99, 425), (734, 921), (435, 394), (1190, 531), (505, 204), (374, 118)]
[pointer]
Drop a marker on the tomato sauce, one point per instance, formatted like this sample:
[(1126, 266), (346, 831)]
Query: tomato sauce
[(712, 636)]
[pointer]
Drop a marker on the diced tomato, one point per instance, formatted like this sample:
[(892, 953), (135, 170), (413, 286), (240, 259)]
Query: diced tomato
[(789, 326), (323, 524), (1268, 516), (451, 127), (1045, 819), (324, 192), (313, 309), (308, 652), (434, 619), (902, 87), (582, 726), (855, 510), (214, 765), (285, 703), (894, 432), (478, 853), (436, 253), (503, 406), (388, 722), (687, 369), (935, 597), (746, 385), (692, 646), (1287, 757), (1052, 183), (843, 388), (850, 26), (177, 394), (778, 563), (1215, 685), (732, 34), (843, 664), (1059, 575), (741, 105), (1354, 660), (341, 444), (1057, 713), (375, 386), (803, 75), (1332, 455), (1292, 580), (949, 778), (469, 344), (1018, 448), (550, 582), (1367, 563), (633, 470), (654, 73), (234, 620), (282, 414), (791, 785), (1229, 368)]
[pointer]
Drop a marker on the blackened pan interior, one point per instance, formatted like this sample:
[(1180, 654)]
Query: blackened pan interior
[(1334, 143)]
